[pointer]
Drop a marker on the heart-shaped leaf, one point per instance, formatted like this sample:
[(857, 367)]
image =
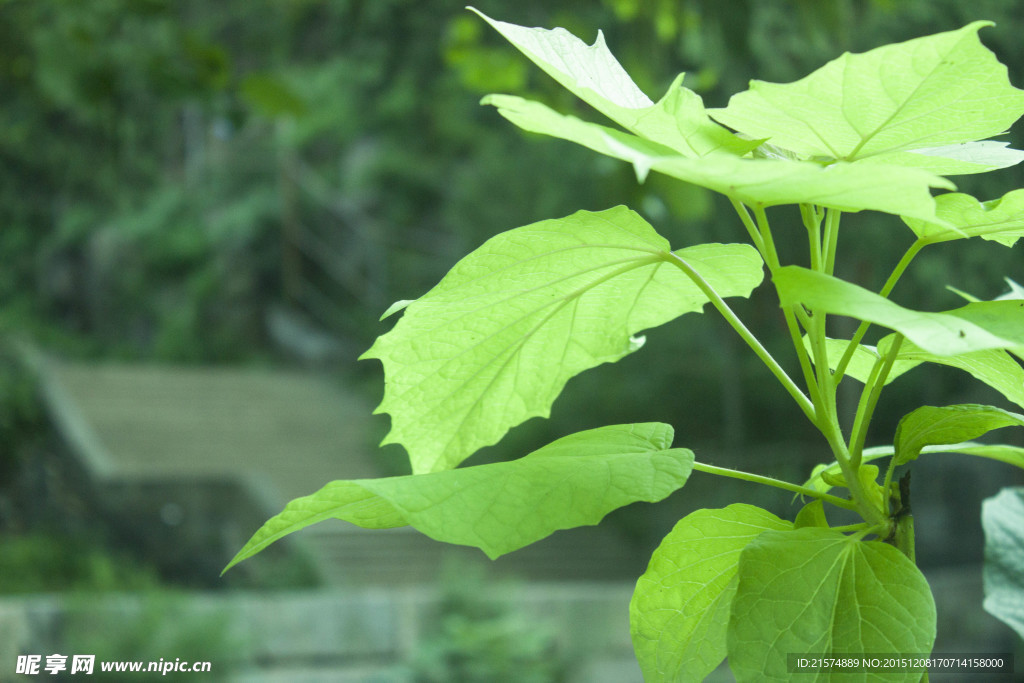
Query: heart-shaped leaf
[(814, 591), (680, 609)]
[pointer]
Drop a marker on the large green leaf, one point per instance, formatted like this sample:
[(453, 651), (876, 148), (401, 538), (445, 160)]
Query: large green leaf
[(932, 426), (975, 327), (994, 367), (1000, 220), (592, 73), (680, 608), (500, 507), (815, 591), (754, 181), (915, 96), (1002, 517), (494, 343)]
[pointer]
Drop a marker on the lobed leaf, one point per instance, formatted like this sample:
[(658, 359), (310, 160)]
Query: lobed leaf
[(1000, 220), (914, 96), (501, 507), (816, 591), (1002, 517), (680, 609), (975, 327), (494, 343), (592, 73), (934, 426), (754, 181)]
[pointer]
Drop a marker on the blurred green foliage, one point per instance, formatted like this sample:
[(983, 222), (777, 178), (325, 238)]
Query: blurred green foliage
[(156, 625), (478, 637), (42, 563), (172, 171)]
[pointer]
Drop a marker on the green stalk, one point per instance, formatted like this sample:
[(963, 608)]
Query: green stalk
[(752, 341), (862, 329), (866, 408), (748, 223), (772, 260), (831, 239), (777, 483), (828, 424), (813, 225), (856, 432), (871, 514)]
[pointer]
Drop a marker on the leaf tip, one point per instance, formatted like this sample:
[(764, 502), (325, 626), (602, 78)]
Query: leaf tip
[(399, 305)]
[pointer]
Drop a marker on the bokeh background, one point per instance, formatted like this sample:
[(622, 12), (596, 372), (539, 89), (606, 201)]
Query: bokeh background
[(204, 209)]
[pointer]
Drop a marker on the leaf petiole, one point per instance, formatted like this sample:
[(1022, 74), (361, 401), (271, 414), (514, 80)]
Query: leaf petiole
[(801, 399), (887, 288), (869, 399), (777, 483)]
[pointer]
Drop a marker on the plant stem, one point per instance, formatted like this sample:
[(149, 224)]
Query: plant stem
[(777, 483), (831, 239), (813, 224), (752, 341), (905, 537), (748, 223), (828, 424), (772, 260), (869, 399), (862, 329), (771, 256)]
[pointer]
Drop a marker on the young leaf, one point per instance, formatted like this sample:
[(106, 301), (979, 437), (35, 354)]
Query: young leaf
[(929, 92), (757, 182), (1002, 517), (501, 507), (1000, 220), (975, 327), (811, 514), (496, 340), (592, 73), (680, 609), (816, 591), (930, 425)]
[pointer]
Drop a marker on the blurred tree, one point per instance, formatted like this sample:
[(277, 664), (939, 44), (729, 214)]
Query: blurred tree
[(171, 173)]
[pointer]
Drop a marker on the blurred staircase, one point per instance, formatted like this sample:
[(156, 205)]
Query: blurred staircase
[(191, 460)]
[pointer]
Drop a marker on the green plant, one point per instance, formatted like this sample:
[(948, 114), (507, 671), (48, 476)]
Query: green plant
[(496, 340), (476, 636)]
